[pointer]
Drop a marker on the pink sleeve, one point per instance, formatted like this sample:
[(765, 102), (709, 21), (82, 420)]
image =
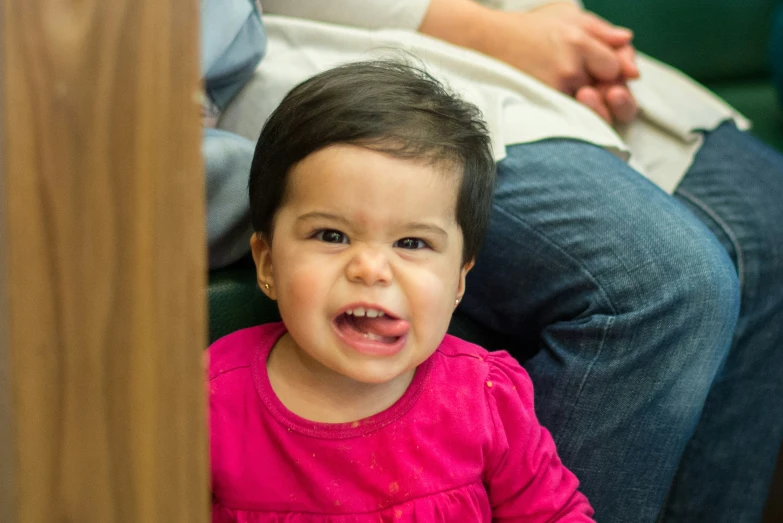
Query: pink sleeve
[(525, 479)]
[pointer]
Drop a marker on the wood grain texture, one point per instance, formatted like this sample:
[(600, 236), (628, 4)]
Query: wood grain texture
[(103, 276), (7, 421)]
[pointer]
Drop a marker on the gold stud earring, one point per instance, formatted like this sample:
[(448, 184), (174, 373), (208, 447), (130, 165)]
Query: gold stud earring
[(266, 286)]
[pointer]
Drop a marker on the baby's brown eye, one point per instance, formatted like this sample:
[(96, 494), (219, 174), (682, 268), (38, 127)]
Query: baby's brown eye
[(410, 243), (331, 236)]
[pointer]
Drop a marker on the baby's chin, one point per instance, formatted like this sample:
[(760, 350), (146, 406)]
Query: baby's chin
[(379, 374)]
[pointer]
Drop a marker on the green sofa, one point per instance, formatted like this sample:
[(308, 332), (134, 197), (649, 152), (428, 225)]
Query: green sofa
[(722, 43)]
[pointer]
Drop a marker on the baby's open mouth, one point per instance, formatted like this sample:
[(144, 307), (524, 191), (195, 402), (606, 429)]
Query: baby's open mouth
[(369, 324)]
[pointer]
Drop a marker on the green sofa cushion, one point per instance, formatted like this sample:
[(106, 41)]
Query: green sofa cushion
[(236, 302), (757, 100)]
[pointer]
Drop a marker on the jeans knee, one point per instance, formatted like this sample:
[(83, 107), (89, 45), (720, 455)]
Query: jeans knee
[(677, 278), (707, 278), (693, 290), (679, 328)]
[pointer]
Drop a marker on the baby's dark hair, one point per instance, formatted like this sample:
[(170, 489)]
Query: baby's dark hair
[(388, 106)]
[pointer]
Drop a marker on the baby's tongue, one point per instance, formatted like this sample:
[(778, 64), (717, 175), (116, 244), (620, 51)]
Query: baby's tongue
[(381, 326)]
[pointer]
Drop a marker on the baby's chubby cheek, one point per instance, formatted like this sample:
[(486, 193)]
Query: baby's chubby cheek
[(302, 288), (434, 296)]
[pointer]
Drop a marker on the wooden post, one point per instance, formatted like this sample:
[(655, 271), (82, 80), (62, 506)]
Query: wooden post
[(102, 263)]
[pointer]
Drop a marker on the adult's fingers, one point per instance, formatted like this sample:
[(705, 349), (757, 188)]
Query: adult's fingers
[(601, 61), (627, 56), (608, 33), (616, 37), (589, 96), (620, 102)]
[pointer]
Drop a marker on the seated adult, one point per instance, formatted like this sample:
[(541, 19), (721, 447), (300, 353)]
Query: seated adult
[(634, 254)]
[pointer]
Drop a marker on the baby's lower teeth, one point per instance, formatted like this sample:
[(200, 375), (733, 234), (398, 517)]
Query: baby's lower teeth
[(374, 337)]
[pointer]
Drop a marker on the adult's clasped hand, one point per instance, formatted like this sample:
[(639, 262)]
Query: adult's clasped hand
[(580, 54), (564, 46)]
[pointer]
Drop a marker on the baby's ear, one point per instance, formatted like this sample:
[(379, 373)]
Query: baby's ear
[(262, 256), (462, 274)]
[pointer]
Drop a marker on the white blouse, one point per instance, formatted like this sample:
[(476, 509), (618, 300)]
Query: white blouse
[(309, 36)]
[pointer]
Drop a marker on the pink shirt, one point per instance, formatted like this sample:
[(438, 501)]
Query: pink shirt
[(461, 445)]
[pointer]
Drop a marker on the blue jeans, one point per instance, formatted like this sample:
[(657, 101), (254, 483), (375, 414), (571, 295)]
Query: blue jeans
[(650, 324)]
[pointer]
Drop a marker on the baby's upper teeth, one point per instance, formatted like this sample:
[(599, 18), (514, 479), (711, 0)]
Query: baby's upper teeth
[(361, 311)]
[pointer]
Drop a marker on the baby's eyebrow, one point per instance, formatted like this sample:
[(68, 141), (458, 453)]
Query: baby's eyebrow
[(319, 215)]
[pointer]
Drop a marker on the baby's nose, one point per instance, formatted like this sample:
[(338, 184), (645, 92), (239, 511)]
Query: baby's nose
[(369, 266)]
